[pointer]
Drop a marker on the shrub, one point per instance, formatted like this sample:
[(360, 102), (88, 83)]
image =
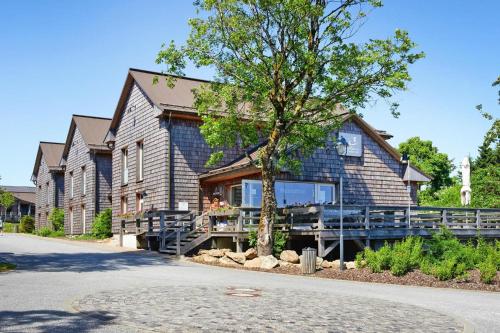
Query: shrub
[(380, 260), (488, 270), (445, 270), (101, 228), (252, 238), (44, 232), (8, 227), (406, 255), (56, 217), (360, 261), (27, 224), (279, 243)]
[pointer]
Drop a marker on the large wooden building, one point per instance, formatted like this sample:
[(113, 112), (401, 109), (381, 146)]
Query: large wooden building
[(48, 177), (159, 158), (86, 161)]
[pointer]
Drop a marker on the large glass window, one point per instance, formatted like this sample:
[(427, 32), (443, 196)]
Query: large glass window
[(289, 193)]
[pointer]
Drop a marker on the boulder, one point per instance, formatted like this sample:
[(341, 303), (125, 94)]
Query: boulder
[(268, 262), (251, 253), (225, 261), (240, 258), (203, 251), (350, 265), (336, 264), (319, 261), (217, 252), (208, 259), (326, 264), (283, 263), (253, 263), (290, 256)]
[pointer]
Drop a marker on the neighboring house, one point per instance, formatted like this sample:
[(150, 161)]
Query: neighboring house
[(159, 156), (48, 177), (87, 171), (25, 198)]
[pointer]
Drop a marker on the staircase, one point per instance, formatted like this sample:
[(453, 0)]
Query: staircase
[(181, 236)]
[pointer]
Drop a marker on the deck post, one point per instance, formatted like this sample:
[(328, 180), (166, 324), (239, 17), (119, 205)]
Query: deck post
[(137, 225), (321, 227), (178, 242), (444, 217), (122, 229), (162, 220), (210, 225), (239, 229), (478, 219), (408, 218), (367, 226), (150, 230)]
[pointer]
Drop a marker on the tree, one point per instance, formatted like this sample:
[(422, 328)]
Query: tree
[(426, 157), (56, 217), (284, 70), (7, 200)]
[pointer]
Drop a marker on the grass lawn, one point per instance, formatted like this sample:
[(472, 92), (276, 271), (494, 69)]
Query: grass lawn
[(5, 266)]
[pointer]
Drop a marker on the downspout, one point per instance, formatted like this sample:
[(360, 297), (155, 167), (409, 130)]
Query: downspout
[(170, 182)]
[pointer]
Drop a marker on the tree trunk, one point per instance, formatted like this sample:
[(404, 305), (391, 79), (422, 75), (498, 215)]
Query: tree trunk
[(268, 210)]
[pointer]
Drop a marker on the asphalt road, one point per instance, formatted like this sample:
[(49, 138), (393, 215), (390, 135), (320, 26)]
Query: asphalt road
[(67, 286)]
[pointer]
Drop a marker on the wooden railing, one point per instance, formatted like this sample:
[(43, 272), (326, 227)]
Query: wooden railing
[(357, 217)]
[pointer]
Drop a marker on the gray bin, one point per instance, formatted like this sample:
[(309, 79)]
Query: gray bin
[(308, 260)]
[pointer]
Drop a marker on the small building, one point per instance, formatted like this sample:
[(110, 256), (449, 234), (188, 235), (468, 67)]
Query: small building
[(24, 204), (86, 161), (48, 177), (159, 158)]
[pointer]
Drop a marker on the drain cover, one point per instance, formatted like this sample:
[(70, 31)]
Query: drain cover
[(242, 292)]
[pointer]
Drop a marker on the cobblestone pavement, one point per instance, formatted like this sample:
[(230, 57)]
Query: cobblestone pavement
[(218, 309)]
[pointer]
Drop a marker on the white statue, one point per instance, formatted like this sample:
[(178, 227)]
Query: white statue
[(465, 192)]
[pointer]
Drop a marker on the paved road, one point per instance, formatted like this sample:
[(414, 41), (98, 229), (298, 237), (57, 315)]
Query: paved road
[(63, 286)]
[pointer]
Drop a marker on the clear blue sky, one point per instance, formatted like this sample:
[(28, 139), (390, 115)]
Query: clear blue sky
[(59, 58)]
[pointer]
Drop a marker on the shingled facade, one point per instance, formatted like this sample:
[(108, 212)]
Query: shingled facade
[(161, 125), (48, 177), (87, 172)]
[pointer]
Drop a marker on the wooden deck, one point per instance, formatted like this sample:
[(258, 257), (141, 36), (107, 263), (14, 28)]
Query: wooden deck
[(361, 224)]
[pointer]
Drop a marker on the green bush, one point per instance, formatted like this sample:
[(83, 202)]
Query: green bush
[(445, 269), (279, 243), (27, 224), (44, 232), (488, 271), (406, 255), (379, 260), (8, 227), (56, 217), (101, 228), (252, 238)]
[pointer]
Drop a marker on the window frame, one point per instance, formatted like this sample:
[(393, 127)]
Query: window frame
[(124, 166), (123, 204), (139, 202), (139, 161), (84, 218), (71, 185), (84, 181)]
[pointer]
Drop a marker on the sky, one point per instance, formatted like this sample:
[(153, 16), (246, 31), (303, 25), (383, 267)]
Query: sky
[(59, 58)]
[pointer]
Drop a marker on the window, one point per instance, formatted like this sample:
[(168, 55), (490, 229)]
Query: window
[(71, 185), (235, 196), (139, 161), (47, 194), (71, 220), (84, 181), (124, 205), (289, 193), (84, 219), (124, 166), (139, 202)]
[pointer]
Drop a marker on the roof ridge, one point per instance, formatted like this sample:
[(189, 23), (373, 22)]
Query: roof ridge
[(53, 143), (172, 75), (86, 116)]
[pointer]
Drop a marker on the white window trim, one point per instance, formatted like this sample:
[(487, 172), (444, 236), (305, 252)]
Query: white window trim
[(140, 160), (84, 180), (71, 185), (124, 165)]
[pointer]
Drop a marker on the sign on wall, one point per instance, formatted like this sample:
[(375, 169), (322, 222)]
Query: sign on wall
[(355, 146)]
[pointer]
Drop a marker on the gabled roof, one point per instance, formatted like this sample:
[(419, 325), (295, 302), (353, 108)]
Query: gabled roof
[(21, 193), (415, 175), (51, 153), (92, 129), (180, 97)]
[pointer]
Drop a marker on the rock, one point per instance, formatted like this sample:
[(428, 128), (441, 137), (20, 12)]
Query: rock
[(283, 263), (206, 258), (240, 258), (326, 264), (251, 253), (268, 262), (336, 264), (253, 263), (319, 261), (198, 258), (225, 261), (350, 265), (216, 252), (203, 251), (290, 256)]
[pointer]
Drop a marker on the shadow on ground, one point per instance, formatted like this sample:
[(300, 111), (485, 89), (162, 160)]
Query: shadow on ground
[(52, 321), (83, 262)]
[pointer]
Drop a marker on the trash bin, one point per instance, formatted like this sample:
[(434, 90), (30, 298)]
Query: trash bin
[(308, 262)]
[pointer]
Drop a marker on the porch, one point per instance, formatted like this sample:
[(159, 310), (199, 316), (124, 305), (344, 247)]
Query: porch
[(179, 232)]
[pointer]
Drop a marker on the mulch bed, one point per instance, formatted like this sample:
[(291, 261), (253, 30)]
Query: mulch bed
[(415, 278)]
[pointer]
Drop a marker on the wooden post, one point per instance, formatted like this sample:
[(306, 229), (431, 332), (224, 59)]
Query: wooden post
[(239, 229), (122, 229), (367, 226), (321, 218), (178, 242), (137, 226), (210, 225), (408, 218), (444, 218), (150, 231), (478, 219), (162, 220), (321, 246)]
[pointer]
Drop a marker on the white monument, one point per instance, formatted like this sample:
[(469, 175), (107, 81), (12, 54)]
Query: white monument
[(465, 192)]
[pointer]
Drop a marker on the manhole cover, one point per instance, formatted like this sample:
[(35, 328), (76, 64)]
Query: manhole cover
[(242, 292)]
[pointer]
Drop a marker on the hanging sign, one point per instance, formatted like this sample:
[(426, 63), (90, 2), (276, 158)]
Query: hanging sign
[(355, 146)]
